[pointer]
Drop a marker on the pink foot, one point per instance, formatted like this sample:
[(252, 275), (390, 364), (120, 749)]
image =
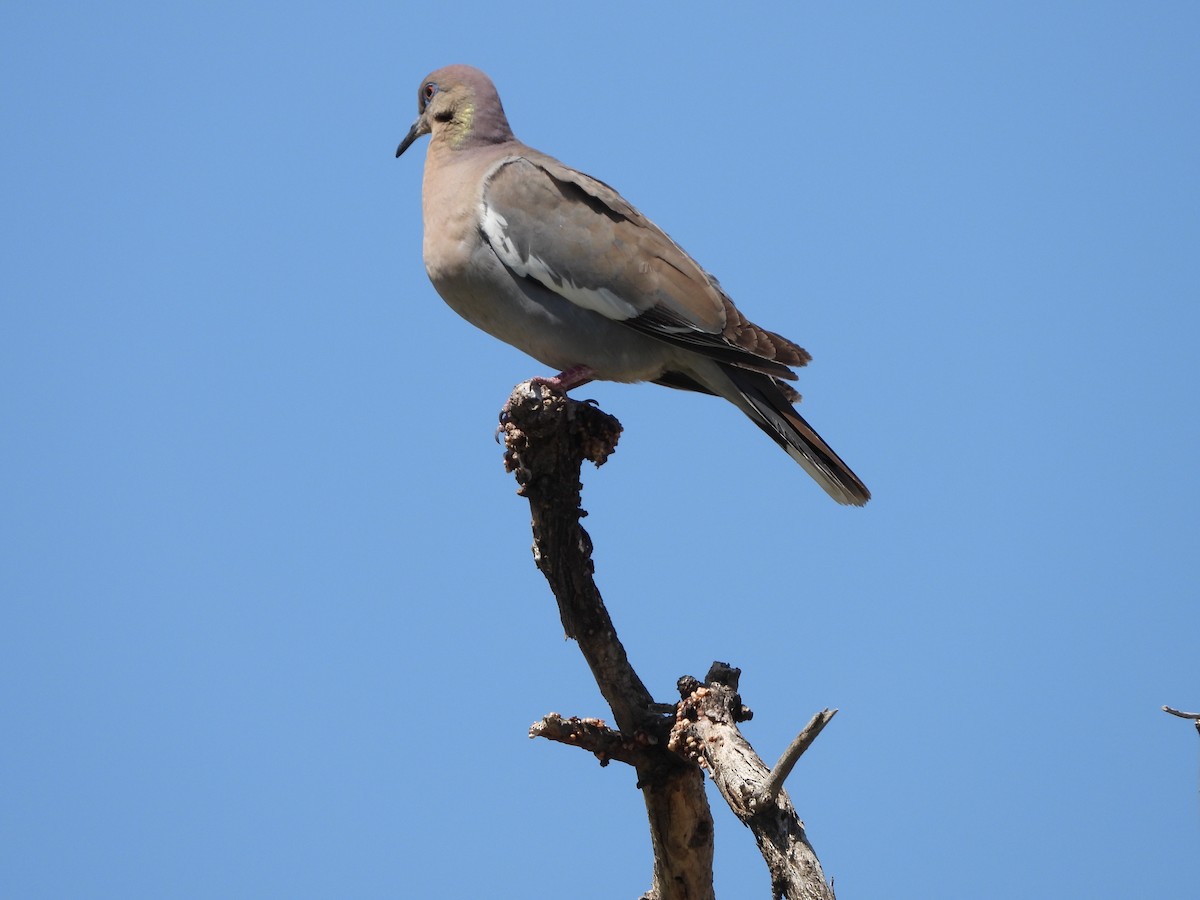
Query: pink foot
[(560, 384)]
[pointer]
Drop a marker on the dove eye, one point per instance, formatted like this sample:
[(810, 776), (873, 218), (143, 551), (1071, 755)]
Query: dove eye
[(427, 92)]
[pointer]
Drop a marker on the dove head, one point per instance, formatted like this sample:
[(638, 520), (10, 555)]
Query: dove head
[(459, 106)]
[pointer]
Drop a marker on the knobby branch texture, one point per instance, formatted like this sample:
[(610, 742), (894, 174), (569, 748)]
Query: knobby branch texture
[(547, 437), (706, 731)]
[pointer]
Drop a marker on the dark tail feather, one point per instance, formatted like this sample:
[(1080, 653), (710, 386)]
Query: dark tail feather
[(767, 406)]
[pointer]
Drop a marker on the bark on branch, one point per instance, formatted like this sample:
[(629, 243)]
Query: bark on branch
[(547, 437), (706, 731)]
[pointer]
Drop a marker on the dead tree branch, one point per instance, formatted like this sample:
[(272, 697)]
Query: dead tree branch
[(706, 731), (792, 754), (1181, 713), (1195, 717), (547, 436)]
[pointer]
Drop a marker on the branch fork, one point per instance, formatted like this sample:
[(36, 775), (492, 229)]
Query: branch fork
[(547, 437)]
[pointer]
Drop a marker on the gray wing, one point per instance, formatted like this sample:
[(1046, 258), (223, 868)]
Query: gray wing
[(578, 237)]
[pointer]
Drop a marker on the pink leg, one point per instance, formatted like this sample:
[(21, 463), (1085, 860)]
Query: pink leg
[(573, 377)]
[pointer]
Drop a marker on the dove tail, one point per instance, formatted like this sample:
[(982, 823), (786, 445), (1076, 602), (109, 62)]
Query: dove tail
[(767, 406)]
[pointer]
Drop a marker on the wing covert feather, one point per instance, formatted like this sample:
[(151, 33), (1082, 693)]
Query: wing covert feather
[(588, 244)]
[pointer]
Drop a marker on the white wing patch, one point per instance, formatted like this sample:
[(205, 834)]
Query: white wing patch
[(600, 300)]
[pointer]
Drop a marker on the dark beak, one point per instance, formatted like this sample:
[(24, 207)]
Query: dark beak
[(419, 128)]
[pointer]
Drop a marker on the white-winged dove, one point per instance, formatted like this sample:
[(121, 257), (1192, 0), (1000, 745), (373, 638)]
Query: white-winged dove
[(562, 267)]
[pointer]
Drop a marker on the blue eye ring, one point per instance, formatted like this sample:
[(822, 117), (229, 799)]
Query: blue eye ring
[(427, 92)]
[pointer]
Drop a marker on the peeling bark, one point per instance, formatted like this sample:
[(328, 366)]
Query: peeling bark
[(547, 437)]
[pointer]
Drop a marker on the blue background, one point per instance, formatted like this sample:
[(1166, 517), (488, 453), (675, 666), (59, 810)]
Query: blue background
[(269, 625)]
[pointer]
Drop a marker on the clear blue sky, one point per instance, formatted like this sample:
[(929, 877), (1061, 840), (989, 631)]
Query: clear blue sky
[(269, 624)]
